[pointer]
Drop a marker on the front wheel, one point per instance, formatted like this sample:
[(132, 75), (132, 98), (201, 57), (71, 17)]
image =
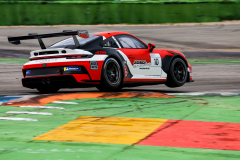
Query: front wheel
[(111, 78), (48, 89), (177, 75)]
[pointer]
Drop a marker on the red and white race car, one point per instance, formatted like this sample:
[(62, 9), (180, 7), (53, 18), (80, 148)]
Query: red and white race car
[(106, 60)]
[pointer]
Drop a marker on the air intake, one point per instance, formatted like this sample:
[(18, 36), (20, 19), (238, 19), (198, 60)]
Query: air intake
[(48, 52)]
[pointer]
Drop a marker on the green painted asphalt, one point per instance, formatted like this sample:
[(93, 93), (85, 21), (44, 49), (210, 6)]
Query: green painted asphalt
[(191, 61), (16, 143), (214, 61), (95, 151), (13, 60)]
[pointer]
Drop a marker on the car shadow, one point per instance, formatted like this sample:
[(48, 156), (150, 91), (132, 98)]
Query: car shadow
[(123, 90)]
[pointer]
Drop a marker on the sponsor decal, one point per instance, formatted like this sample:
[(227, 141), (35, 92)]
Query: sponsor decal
[(46, 60), (94, 65), (72, 68), (139, 63), (28, 71), (101, 52), (155, 61), (126, 71), (83, 33)]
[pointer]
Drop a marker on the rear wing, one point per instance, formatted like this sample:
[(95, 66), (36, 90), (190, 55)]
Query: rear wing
[(81, 33)]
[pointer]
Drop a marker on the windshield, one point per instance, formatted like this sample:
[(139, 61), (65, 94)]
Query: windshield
[(69, 43)]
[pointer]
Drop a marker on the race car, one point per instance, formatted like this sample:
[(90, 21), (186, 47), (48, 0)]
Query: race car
[(106, 60)]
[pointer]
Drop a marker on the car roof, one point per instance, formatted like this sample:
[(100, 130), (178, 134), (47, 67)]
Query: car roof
[(114, 33), (110, 33)]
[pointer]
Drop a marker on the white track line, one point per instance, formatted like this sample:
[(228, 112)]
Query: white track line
[(22, 99), (13, 96), (44, 107), (206, 93), (64, 102), (18, 119), (24, 112)]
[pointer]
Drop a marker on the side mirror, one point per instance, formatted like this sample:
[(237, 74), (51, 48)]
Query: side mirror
[(151, 47)]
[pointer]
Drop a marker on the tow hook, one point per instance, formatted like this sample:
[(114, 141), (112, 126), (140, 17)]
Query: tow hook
[(60, 71), (46, 81)]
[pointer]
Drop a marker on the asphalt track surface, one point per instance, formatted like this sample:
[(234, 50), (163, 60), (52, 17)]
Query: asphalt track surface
[(121, 125), (196, 42)]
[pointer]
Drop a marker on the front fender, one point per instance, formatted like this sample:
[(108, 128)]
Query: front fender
[(169, 56)]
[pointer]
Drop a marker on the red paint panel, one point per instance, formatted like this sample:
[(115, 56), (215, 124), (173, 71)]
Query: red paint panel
[(80, 77), (137, 55), (196, 134)]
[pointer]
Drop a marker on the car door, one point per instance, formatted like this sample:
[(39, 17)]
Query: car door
[(142, 63)]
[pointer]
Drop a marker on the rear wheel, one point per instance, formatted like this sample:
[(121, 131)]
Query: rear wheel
[(177, 75), (111, 78), (48, 89)]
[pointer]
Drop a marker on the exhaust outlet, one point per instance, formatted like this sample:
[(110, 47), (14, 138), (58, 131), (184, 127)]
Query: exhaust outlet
[(43, 81), (48, 81)]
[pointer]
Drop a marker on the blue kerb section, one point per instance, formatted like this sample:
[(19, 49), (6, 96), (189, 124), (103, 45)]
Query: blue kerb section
[(6, 99)]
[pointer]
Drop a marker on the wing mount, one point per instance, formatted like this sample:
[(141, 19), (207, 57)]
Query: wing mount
[(81, 33)]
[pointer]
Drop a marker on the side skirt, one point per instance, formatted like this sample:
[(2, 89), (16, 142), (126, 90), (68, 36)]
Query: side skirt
[(142, 83)]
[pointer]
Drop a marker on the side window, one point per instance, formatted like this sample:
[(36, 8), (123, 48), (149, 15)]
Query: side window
[(109, 42), (130, 42)]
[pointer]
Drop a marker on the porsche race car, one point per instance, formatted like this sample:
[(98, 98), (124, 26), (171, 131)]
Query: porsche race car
[(106, 60)]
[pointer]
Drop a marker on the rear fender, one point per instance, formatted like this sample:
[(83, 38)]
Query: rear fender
[(111, 53), (120, 60)]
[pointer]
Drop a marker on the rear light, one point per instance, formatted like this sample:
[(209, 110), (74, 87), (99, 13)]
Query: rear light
[(24, 73), (62, 56), (75, 57)]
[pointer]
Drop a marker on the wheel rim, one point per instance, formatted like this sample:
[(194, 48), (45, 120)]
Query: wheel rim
[(179, 71), (112, 72)]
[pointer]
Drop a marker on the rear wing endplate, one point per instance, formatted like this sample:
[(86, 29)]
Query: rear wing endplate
[(81, 33)]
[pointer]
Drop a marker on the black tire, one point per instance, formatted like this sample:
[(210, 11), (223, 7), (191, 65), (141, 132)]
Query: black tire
[(111, 78), (48, 89), (177, 75)]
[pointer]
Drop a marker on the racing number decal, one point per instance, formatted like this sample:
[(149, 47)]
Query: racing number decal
[(155, 59), (101, 52)]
